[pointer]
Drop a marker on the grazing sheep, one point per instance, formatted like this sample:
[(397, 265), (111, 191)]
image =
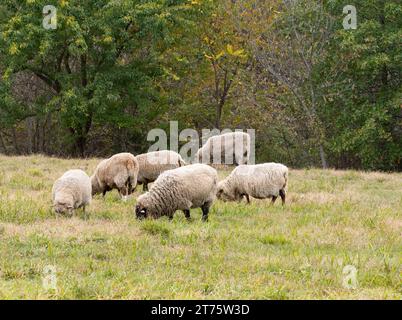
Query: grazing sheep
[(192, 186), (234, 145), (259, 181), (71, 191), (118, 172), (152, 164)]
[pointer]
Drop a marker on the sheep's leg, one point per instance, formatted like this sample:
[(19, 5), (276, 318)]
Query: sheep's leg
[(205, 211), (85, 213), (187, 214), (273, 199), (106, 189), (104, 193), (145, 186), (124, 194), (238, 196), (283, 196), (248, 198), (129, 187)]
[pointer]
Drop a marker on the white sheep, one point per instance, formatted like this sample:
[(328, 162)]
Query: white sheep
[(71, 191), (261, 181), (229, 148), (192, 186), (118, 172), (152, 164)]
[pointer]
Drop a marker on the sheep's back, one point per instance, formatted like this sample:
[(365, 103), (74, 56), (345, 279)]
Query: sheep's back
[(260, 181), (116, 165), (152, 164), (75, 183), (194, 183), (232, 143)]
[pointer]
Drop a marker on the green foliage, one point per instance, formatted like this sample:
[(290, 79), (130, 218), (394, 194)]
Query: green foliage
[(113, 70), (365, 107), (104, 62)]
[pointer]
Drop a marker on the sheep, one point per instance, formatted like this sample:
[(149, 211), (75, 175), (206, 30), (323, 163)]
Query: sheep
[(233, 147), (259, 181), (152, 164), (72, 191), (118, 172), (192, 186)]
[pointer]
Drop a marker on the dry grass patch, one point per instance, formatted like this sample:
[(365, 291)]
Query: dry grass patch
[(64, 228)]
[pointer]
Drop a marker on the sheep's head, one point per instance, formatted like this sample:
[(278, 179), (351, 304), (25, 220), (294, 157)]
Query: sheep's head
[(140, 212), (63, 208), (143, 209), (96, 188), (223, 193)]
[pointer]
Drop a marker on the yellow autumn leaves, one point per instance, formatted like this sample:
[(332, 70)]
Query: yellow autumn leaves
[(13, 50), (228, 50)]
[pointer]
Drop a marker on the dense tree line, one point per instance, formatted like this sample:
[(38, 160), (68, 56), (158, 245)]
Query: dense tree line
[(317, 94)]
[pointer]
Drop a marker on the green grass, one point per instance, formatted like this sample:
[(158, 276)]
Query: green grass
[(258, 251)]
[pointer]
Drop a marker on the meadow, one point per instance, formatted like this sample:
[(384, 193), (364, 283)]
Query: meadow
[(332, 219)]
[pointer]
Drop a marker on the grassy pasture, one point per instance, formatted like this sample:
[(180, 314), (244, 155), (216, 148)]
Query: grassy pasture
[(258, 251)]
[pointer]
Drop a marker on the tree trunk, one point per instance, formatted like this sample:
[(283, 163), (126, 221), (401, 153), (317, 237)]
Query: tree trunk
[(82, 135), (36, 136), (44, 133), (81, 142), (30, 130), (323, 157), (3, 144), (218, 116), (15, 141)]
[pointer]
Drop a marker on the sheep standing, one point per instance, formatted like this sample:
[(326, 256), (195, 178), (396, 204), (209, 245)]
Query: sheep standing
[(118, 172), (152, 164), (192, 186), (71, 191), (267, 180), (232, 147)]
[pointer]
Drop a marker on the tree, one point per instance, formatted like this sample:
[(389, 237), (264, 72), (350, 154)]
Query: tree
[(223, 48), (289, 50), (102, 66), (365, 112)]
